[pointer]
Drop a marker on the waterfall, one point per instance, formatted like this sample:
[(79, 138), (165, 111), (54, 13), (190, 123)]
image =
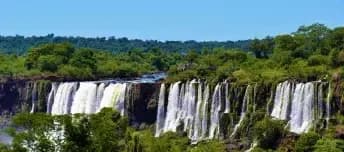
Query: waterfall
[(100, 92), (302, 108), (205, 111), (63, 98), (300, 105), (188, 107), (328, 105), (215, 112), (113, 97), (196, 131), (34, 97), (161, 112), (244, 108), (227, 108), (281, 101), (172, 108), (51, 96), (84, 98), (191, 107)]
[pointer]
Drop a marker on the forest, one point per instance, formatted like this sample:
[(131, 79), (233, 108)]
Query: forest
[(311, 53), (20, 44)]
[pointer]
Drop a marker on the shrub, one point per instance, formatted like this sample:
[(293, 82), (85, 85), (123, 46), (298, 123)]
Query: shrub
[(306, 142), (268, 132), (329, 145), (318, 60)]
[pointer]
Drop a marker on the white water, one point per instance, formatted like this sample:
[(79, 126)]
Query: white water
[(215, 112), (100, 92), (51, 96), (114, 97), (281, 101), (172, 108), (301, 102), (84, 98), (197, 130), (161, 112), (63, 98), (34, 97), (301, 117), (205, 112), (187, 107), (190, 109), (228, 104)]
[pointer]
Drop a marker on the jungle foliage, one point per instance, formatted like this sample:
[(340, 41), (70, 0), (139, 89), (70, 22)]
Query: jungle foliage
[(105, 131)]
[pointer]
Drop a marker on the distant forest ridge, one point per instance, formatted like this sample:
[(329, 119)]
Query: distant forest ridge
[(20, 44)]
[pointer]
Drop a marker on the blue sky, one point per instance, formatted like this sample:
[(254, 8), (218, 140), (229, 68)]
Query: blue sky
[(166, 19)]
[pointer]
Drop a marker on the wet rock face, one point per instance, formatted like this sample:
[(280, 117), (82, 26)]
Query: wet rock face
[(19, 96), (12, 96), (142, 106)]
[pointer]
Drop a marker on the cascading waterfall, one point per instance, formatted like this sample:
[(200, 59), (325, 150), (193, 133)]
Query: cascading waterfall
[(86, 97), (63, 98), (187, 107), (227, 104), (34, 97), (197, 130), (301, 116), (172, 108), (281, 102), (300, 105), (114, 96), (215, 112), (205, 100), (191, 107), (161, 112), (190, 96), (100, 93), (51, 96)]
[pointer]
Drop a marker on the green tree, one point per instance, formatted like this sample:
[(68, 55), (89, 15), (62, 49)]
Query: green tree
[(262, 48), (337, 38), (267, 132), (108, 131), (60, 50), (84, 58), (36, 136)]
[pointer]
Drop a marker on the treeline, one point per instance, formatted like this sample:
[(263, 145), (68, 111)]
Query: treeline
[(64, 60), (20, 44), (311, 53)]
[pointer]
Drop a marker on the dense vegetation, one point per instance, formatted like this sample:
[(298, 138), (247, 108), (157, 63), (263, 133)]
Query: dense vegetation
[(20, 44), (105, 131), (311, 53), (64, 60)]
